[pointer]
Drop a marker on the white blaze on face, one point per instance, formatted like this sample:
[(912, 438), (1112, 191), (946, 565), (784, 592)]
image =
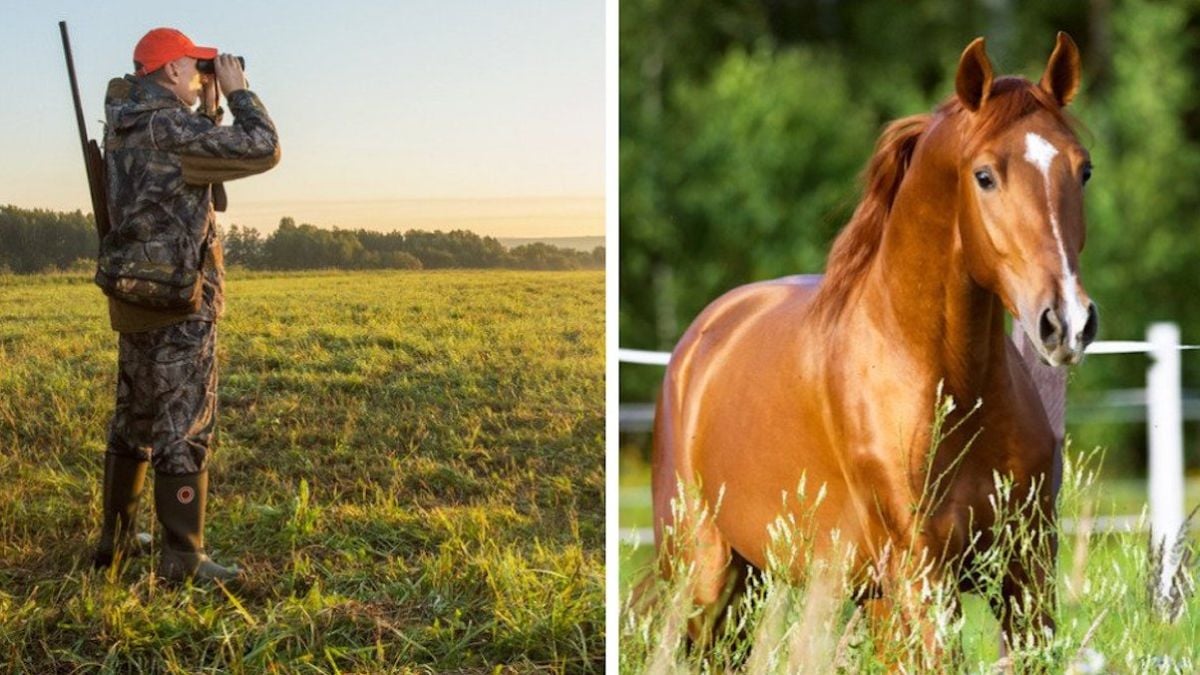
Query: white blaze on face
[(1040, 153)]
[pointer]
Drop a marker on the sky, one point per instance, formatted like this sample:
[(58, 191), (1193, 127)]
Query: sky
[(447, 114)]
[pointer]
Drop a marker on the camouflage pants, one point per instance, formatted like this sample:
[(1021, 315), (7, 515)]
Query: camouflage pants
[(166, 397)]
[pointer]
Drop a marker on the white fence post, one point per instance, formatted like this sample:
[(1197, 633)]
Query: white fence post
[(1164, 425)]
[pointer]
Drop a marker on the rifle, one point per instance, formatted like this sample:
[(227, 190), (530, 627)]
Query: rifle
[(92, 161)]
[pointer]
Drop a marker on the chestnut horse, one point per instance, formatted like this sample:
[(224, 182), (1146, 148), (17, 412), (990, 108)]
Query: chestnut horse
[(969, 211)]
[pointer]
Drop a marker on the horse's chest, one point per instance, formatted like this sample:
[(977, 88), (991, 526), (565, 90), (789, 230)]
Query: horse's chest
[(996, 478)]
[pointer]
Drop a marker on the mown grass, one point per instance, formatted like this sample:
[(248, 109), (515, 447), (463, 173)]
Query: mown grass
[(1108, 621), (409, 464)]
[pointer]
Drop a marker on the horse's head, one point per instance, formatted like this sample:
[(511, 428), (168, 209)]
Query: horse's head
[(1021, 178)]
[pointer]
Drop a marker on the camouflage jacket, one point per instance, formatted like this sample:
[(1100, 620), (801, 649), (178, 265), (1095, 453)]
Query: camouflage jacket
[(161, 160)]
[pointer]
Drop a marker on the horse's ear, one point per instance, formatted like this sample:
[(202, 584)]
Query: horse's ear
[(973, 82), (1061, 79)]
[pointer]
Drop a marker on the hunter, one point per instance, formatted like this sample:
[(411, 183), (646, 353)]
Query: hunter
[(161, 267)]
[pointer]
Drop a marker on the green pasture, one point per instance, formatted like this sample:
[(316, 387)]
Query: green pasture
[(409, 464), (1105, 615)]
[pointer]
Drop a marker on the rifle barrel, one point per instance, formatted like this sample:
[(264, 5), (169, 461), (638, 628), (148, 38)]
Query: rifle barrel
[(83, 138), (92, 162)]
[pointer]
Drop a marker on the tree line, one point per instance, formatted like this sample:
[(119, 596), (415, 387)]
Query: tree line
[(37, 240)]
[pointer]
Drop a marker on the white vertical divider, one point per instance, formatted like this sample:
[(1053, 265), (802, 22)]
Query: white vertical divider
[(1164, 426)]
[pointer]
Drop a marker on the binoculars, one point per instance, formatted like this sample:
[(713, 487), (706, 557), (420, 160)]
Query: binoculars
[(206, 65)]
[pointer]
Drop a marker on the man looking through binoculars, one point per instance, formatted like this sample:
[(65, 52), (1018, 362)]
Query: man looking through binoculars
[(161, 267)]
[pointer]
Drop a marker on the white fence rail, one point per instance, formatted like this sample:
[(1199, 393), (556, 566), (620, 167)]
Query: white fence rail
[(1162, 398)]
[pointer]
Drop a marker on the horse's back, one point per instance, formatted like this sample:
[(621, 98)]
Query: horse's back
[(759, 314), (728, 320)]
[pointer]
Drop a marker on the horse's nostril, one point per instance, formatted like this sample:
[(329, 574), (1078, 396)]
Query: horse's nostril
[(1092, 326), (1047, 326)]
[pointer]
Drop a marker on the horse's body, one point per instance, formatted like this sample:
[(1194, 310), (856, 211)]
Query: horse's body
[(835, 383), (857, 421)]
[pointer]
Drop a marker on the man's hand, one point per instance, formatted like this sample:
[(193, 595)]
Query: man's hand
[(229, 73)]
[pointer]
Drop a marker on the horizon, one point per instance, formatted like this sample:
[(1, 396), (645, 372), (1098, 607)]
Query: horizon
[(455, 225), (421, 116), (537, 217), (568, 221)]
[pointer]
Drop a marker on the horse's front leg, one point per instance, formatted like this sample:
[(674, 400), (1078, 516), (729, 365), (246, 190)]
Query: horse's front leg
[(908, 632), (911, 621), (1028, 597)]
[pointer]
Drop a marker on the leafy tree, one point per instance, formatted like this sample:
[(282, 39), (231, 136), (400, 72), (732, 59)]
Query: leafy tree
[(542, 256), (760, 176), (243, 246), (1142, 251)]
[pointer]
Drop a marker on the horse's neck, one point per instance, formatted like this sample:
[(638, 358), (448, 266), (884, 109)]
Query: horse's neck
[(939, 314)]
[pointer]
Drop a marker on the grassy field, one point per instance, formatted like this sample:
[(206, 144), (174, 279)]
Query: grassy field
[(1107, 623), (409, 464)]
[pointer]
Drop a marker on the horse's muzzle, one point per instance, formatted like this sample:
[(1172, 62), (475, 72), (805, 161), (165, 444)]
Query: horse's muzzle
[(1063, 343)]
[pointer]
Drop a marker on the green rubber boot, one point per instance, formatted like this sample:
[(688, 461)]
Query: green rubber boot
[(180, 501), (124, 479)]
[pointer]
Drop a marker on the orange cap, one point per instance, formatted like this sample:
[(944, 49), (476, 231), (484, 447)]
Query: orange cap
[(163, 45)]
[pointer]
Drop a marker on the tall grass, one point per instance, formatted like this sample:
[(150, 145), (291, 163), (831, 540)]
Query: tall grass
[(801, 614), (409, 465)]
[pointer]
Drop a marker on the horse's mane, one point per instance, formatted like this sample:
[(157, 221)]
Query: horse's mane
[(1010, 99), (859, 240)]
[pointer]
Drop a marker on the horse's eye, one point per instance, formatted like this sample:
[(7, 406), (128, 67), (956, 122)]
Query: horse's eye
[(1087, 173), (985, 179)]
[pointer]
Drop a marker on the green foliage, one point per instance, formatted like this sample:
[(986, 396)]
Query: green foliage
[(293, 247), (243, 246), (767, 175), (542, 256), (457, 248), (1141, 255), (35, 240), (409, 464), (761, 173), (39, 241)]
